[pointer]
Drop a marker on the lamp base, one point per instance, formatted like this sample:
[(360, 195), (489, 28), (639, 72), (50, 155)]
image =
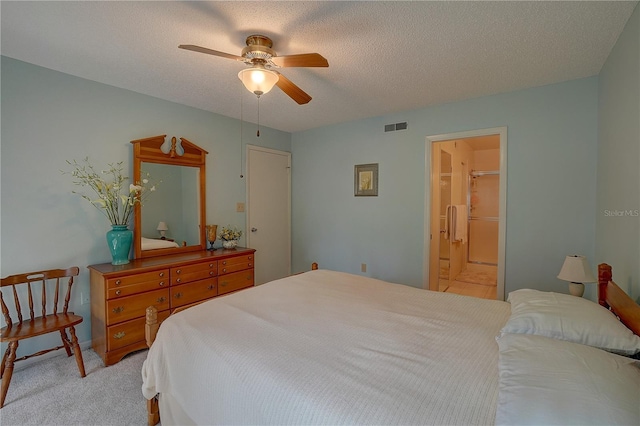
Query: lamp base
[(576, 289)]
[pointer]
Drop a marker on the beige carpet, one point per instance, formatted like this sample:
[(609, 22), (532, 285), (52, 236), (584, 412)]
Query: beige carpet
[(51, 392), (487, 276)]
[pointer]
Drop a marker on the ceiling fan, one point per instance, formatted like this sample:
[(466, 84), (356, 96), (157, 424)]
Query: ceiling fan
[(261, 77)]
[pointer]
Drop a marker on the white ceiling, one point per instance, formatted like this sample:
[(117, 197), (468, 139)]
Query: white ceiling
[(384, 57)]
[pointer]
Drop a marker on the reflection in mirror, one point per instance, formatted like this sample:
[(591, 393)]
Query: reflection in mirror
[(177, 207), (175, 202)]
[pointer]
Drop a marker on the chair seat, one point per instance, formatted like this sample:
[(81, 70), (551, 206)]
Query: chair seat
[(40, 325)]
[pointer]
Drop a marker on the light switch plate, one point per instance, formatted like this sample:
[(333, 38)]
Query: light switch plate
[(239, 207)]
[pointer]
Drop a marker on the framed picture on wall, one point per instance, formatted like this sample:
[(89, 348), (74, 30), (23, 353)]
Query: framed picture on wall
[(366, 180)]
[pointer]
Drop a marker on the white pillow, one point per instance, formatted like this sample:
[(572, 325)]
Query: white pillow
[(571, 318), (546, 381)]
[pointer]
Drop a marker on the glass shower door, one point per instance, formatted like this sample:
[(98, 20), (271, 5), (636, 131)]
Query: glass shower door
[(483, 217)]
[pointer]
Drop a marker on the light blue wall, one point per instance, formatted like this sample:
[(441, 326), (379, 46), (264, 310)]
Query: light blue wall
[(618, 220), (551, 200), (49, 117)]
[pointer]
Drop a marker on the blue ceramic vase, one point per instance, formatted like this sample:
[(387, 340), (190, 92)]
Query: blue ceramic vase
[(119, 240)]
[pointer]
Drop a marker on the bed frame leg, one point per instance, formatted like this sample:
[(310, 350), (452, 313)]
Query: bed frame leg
[(153, 413)]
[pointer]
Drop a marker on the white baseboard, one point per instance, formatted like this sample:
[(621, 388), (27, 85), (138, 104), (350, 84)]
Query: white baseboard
[(60, 352)]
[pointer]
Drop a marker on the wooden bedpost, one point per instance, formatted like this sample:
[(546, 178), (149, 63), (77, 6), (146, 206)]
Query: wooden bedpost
[(151, 325), (150, 331), (153, 411), (314, 266), (604, 276)]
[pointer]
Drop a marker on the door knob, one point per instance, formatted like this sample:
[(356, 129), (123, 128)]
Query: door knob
[(254, 229)]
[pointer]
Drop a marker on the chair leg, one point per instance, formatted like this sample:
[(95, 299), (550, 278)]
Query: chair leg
[(4, 359), (77, 351), (65, 341), (8, 370)]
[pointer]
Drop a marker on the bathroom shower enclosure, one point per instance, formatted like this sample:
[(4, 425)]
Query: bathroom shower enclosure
[(483, 213)]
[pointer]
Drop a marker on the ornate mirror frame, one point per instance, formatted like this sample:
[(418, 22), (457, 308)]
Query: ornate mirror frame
[(184, 153)]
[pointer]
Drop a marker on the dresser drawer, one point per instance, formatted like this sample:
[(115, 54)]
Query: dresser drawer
[(235, 264), (185, 294), (160, 275), (130, 307), (199, 271), (129, 332), (235, 281), (128, 290)]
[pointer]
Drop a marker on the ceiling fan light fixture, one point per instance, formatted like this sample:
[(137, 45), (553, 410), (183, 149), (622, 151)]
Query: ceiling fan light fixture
[(258, 80)]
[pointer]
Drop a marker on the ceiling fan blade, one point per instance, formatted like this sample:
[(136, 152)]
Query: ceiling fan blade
[(210, 52), (301, 60), (293, 91)]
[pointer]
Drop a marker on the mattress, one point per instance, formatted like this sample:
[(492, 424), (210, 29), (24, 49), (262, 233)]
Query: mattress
[(326, 347)]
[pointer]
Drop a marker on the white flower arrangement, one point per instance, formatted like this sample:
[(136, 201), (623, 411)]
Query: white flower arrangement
[(107, 185), (228, 233)]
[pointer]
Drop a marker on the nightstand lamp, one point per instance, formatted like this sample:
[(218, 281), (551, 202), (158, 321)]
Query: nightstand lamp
[(576, 270), (163, 228)]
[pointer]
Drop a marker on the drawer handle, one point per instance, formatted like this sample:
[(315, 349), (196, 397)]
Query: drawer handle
[(178, 295), (250, 258), (178, 271), (211, 287), (161, 299), (178, 280), (249, 265), (118, 292), (119, 335), (248, 277), (118, 309), (211, 273), (117, 282), (224, 262), (223, 284), (224, 270), (161, 283), (211, 265), (161, 274)]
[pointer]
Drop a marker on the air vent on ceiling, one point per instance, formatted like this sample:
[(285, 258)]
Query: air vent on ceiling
[(394, 127)]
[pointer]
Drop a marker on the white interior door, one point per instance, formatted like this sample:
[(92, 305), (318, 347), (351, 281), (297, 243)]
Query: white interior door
[(269, 212)]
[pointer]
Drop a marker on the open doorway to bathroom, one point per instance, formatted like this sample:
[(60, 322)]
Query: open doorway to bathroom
[(467, 207)]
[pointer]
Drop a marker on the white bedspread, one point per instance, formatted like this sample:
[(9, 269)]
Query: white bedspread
[(152, 244), (326, 347)]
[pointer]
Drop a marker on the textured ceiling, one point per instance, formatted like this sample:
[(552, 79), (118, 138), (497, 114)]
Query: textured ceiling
[(384, 57)]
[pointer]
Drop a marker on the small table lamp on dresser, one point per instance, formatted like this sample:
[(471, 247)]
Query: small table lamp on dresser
[(162, 228), (576, 270)]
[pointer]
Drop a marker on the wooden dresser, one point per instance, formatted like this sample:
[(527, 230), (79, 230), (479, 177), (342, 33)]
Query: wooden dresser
[(120, 294)]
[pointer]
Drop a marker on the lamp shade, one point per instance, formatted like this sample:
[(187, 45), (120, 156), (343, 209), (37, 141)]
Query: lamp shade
[(162, 227), (576, 269), (258, 80)]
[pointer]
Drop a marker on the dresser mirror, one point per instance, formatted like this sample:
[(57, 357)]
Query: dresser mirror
[(172, 218)]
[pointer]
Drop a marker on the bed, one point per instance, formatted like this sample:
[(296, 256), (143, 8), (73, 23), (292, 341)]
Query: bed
[(153, 243), (325, 347)]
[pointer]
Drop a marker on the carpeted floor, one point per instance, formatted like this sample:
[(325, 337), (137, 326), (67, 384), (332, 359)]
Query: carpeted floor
[(51, 392)]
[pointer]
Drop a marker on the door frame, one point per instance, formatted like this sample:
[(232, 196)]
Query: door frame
[(502, 223), (248, 149)]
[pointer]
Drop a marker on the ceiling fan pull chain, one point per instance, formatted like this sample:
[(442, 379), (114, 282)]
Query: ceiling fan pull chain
[(258, 133), (241, 175)]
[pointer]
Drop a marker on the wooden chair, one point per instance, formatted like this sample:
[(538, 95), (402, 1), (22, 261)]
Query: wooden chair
[(49, 322)]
